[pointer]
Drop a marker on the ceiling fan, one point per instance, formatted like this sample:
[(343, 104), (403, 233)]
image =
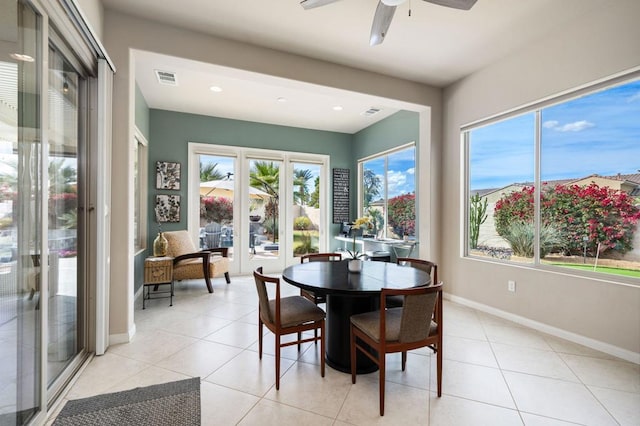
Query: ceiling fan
[(384, 13)]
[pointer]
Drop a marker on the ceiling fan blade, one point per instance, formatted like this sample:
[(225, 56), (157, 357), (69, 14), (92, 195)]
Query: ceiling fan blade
[(311, 4), (381, 21), (456, 4)]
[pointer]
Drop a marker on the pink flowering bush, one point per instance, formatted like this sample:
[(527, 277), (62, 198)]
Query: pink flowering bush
[(601, 214), (216, 209), (402, 214)]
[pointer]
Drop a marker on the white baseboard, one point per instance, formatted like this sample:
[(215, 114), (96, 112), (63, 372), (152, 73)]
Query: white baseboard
[(114, 339), (616, 351)]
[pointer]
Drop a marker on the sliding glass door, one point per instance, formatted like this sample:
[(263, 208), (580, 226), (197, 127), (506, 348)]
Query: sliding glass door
[(20, 214), (66, 213)]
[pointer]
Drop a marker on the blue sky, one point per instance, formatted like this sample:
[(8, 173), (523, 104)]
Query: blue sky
[(400, 172), (598, 133)]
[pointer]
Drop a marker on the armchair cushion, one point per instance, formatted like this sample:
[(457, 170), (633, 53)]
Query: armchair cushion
[(190, 263)]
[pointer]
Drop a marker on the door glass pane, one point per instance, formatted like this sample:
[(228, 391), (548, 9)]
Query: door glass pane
[(264, 209), (65, 219), (20, 214), (373, 191), (216, 202), (306, 208)]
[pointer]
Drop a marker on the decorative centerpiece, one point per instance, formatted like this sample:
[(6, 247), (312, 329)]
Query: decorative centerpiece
[(160, 244), (355, 263)]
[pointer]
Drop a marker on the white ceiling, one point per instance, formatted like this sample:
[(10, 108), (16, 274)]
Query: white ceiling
[(435, 45)]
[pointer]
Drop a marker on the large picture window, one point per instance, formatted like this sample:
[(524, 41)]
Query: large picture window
[(559, 185), (388, 191)]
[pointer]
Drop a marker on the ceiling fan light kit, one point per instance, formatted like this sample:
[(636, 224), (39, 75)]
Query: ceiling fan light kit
[(385, 11)]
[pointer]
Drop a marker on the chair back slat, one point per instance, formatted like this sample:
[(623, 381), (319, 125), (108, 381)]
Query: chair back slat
[(429, 267), (416, 317), (419, 306), (320, 257)]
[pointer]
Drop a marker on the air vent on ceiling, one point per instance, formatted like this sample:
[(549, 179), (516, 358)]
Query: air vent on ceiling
[(166, 77), (371, 111)]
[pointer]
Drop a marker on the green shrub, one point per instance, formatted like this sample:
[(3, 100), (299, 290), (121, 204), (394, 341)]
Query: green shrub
[(301, 223), (520, 237)]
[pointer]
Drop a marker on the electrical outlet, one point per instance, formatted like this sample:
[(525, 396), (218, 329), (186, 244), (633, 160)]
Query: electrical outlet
[(511, 285)]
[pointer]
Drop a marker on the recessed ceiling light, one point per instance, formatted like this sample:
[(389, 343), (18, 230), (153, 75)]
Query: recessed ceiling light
[(337, 108), (21, 57), (281, 99), (215, 89)]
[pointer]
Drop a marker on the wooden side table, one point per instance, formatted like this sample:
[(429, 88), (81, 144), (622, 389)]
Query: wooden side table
[(157, 271)]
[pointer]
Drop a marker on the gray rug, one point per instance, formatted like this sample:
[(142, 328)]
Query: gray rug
[(174, 403)]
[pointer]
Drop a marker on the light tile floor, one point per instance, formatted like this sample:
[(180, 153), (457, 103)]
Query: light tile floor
[(495, 372)]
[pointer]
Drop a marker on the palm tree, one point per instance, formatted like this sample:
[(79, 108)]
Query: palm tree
[(300, 179), (62, 177), (265, 175), (314, 197), (208, 172)]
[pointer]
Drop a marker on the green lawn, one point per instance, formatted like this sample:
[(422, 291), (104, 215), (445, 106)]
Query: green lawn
[(298, 238), (603, 269)]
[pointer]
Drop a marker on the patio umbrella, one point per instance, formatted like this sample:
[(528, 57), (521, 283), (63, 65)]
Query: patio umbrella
[(224, 188)]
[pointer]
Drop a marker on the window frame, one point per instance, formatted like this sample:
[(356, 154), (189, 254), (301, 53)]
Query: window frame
[(385, 155), (140, 210), (536, 108)]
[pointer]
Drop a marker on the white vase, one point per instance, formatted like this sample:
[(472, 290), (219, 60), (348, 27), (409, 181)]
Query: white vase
[(355, 266)]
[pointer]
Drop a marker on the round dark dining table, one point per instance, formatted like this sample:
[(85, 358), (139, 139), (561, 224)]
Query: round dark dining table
[(348, 294)]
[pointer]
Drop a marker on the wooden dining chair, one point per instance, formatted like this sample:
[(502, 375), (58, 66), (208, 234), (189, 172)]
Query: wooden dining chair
[(288, 315), (318, 257), (429, 267), (417, 324)]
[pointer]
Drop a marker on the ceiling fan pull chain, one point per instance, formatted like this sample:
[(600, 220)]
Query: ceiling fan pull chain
[(409, 8)]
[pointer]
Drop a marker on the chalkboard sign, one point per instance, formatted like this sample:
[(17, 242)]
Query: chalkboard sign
[(341, 195)]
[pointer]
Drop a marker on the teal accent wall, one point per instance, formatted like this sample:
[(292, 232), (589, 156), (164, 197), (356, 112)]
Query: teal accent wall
[(395, 130), (172, 131), (142, 113)]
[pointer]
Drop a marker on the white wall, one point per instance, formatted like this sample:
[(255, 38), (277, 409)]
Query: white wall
[(93, 12), (593, 47)]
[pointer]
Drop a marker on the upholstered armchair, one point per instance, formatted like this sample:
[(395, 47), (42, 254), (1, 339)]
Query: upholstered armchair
[(189, 263)]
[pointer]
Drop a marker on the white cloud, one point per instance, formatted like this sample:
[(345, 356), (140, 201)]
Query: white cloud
[(576, 126), (633, 98), (411, 171)]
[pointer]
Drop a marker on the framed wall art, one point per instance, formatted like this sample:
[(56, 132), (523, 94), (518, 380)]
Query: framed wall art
[(167, 175), (168, 208)]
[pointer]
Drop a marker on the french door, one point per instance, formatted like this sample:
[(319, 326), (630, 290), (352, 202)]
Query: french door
[(267, 207)]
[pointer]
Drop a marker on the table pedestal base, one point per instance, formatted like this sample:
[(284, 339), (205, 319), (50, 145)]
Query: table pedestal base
[(339, 311)]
